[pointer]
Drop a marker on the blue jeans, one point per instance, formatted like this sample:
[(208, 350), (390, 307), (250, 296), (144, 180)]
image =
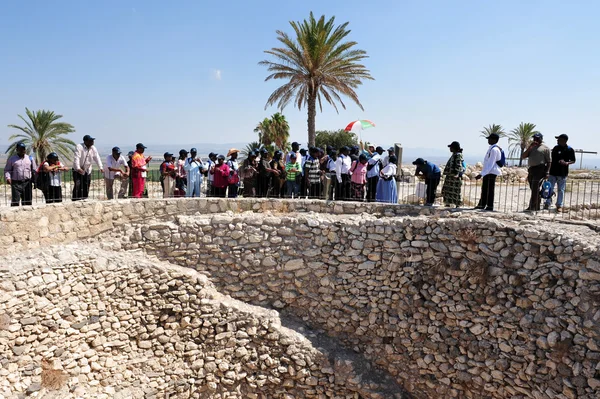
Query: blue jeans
[(292, 187), (561, 183)]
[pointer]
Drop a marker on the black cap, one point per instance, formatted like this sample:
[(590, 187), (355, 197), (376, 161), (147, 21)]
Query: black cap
[(21, 145), (212, 154), (130, 153), (295, 143), (493, 136), (419, 161), (293, 155), (183, 151), (53, 155), (562, 136), (87, 137), (167, 154), (379, 148), (221, 156), (117, 150), (140, 145), (302, 151), (454, 144), (264, 151), (391, 149), (252, 154), (193, 149), (538, 136)]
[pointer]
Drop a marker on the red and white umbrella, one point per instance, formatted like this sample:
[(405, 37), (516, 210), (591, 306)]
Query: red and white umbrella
[(359, 125)]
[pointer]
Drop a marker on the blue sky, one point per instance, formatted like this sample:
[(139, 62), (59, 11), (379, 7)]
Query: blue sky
[(187, 71)]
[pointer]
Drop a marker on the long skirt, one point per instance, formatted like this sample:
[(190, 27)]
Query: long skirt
[(386, 191), (451, 191)]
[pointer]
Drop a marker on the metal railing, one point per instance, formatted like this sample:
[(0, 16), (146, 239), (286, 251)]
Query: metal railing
[(581, 199)]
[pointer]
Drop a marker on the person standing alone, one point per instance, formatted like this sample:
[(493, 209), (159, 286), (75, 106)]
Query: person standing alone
[(562, 157), (538, 160), (85, 154), (491, 170), (19, 174), (116, 169)]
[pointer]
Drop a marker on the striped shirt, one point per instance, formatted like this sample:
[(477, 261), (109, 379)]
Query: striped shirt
[(291, 176), (314, 170)]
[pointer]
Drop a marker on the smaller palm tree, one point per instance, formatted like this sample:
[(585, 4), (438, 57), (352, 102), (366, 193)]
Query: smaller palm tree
[(519, 139), (280, 131), (493, 128), (263, 128), (42, 134), (249, 148)]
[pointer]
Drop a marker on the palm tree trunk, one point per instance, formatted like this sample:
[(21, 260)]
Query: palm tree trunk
[(312, 114), (521, 157)]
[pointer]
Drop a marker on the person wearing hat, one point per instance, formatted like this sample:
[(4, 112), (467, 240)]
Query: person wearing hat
[(19, 172), (386, 186), (116, 169), (385, 157), (295, 150), (491, 170), (293, 171), (139, 168), (562, 157), (85, 154), (312, 173), (373, 168), (210, 165), (538, 162), (264, 173), (194, 168), (452, 188), (221, 177), (51, 170), (249, 173), (234, 173), (167, 175), (181, 174), (342, 172), (432, 175)]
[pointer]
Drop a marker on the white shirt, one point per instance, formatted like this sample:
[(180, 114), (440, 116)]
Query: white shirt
[(385, 159), (490, 167), (84, 157), (193, 169), (54, 176), (211, 177), (389, 170), (111, 162), (342, 166)]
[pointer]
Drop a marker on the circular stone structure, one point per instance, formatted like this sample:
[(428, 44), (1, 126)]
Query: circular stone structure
[(212, 298)]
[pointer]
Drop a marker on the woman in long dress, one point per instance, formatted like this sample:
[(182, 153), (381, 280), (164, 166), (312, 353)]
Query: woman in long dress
[(452, 188), (386, 187)]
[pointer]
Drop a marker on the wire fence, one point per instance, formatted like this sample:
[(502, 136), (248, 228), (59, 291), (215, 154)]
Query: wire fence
[(581, 198)]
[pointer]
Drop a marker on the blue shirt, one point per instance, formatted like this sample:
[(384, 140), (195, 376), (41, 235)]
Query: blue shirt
[(430, 170), (374, 171)]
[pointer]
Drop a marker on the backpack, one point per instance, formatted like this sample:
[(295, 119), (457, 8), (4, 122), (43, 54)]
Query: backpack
[(546, 190), (41, 180), (502, 162)]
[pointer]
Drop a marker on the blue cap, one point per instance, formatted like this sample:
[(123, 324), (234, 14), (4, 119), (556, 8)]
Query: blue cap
[(193, 149), (21, 145), (117, 150)]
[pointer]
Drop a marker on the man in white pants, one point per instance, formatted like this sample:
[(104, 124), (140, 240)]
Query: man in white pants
[(194, 168), (116, 169)]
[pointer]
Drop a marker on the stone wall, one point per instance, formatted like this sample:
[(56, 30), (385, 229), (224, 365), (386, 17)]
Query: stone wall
[(459, 307), (41, 225), (448, 304), (80, 321)]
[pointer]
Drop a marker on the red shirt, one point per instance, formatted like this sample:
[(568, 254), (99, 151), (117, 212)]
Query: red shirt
[(221, 175)]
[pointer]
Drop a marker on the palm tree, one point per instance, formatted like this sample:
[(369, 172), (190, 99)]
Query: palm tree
[(263, 128), (42, 134), (493, 128), (519, 139), (280, 131), (249, 148), (318, 65)]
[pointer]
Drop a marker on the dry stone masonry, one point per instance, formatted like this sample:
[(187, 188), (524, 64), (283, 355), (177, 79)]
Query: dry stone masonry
[(277, 299)]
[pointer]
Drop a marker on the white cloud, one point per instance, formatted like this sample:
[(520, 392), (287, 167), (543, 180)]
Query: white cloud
[(216, 74)]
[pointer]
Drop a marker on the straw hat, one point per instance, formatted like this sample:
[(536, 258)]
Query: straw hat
[(232, 151)]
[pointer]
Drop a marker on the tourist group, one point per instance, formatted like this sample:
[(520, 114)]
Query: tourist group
[(347, 174)]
